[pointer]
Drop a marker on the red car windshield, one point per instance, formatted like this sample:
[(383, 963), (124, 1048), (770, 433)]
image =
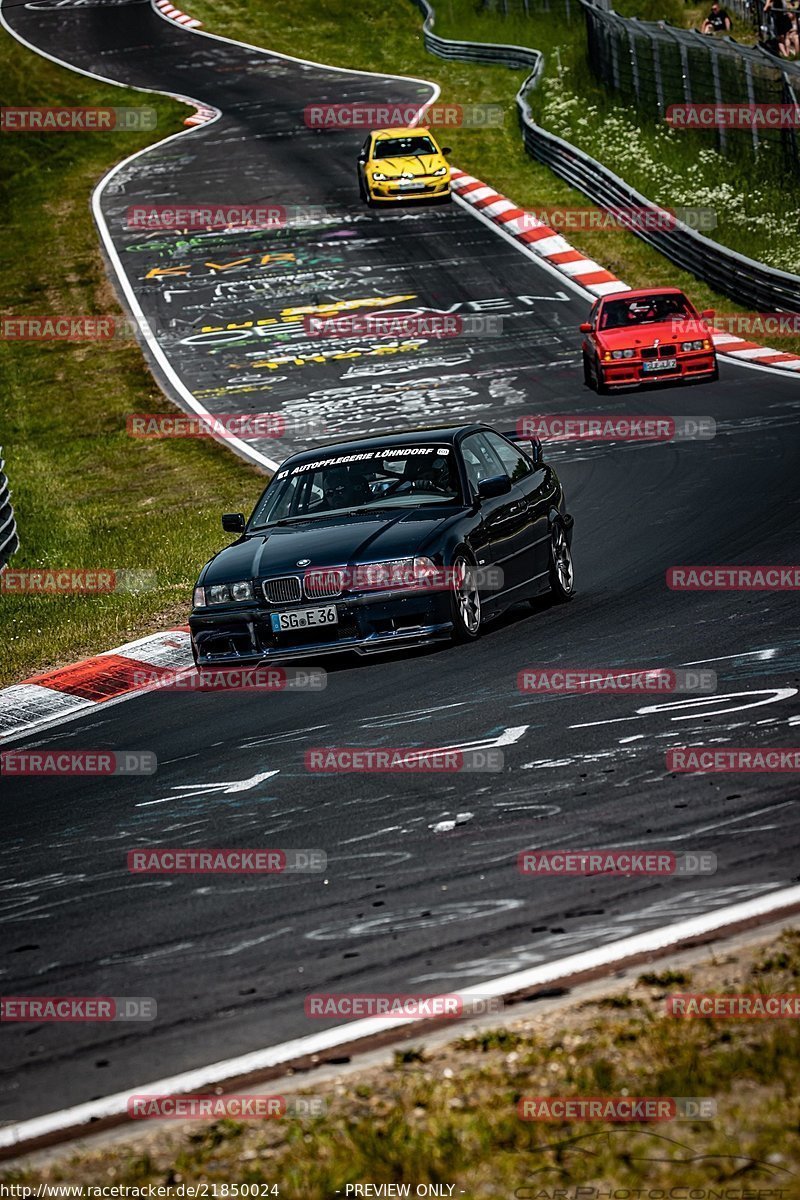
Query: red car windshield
[(644, 310)]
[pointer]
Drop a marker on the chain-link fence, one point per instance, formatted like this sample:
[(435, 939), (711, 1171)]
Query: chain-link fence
[(655, 66)]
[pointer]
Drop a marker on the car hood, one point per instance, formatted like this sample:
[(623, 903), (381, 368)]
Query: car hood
[(414, 164), (327, 542), (634, 336)]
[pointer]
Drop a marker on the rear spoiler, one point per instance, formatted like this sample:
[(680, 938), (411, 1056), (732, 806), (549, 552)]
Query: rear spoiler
[(531, 446)]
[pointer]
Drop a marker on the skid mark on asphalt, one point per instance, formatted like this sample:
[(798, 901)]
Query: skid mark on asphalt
[(405, 920), (552, 945)]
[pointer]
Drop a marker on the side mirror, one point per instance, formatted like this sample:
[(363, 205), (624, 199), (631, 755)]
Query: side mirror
[(585, 327), (362, 157), (446, 150), (708, 314), (497, 485), (233, 522)]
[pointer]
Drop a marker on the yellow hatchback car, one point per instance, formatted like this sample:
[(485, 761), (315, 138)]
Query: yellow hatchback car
[(396, 165)]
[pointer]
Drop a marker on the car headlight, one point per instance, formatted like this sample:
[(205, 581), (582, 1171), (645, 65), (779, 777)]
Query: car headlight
[(199, 599), (441, 171), (224, 593), (623, 353), (379, 176), (395, 573)]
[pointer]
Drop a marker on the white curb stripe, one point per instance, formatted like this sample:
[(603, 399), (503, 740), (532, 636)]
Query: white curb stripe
[(26, 706), (271, 1056)]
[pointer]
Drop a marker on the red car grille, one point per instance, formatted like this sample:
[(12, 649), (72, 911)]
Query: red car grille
[(323, 585)]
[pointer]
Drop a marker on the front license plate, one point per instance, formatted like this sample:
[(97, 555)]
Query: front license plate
[(661, 364), (304, 618), (409, 187)]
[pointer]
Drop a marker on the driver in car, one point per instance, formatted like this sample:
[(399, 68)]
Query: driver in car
[(343, 488)]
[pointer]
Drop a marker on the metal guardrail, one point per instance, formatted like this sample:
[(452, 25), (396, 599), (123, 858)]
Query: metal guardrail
[(745, 281), (9, 539)]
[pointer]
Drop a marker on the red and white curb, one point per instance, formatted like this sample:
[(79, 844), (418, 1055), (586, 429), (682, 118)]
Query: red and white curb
[(175, 14), (537, 236), (556, 251), (203, 115), (85, 685), (765, 356)]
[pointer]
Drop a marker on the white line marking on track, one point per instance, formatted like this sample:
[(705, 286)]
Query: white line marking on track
[(216, 1073)]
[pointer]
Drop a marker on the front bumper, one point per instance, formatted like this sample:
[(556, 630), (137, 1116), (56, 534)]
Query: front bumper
[(243, 636), (630, 372), (391, 193)]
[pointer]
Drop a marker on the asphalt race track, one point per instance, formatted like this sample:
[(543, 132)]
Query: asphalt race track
[(401, 907)]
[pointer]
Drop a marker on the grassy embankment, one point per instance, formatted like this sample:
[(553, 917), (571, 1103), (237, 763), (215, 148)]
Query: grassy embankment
[(84, 492), (449, 1115)]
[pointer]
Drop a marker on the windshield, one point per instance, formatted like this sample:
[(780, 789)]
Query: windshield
[(645, 310), (389, 477), (403, 147)]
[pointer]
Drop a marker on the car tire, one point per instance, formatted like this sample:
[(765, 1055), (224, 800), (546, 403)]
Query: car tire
[(592, 376), (465, 600), (601, 388), (560, 571)]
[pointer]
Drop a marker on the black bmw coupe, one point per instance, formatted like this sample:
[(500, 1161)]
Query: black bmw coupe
[(383, 543)]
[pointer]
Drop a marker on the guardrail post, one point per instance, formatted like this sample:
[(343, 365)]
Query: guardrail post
[(657, 74), (751, 98), (687, 79), (789, 97), (613, 35), (9, 538), (634, 62), (721, 131)]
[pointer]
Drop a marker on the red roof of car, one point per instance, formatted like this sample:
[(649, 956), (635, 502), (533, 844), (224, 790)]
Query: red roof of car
[(635, 292)]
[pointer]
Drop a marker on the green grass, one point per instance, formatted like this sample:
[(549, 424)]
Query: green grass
[(448, 1115), (387, 38), (86, 494)]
